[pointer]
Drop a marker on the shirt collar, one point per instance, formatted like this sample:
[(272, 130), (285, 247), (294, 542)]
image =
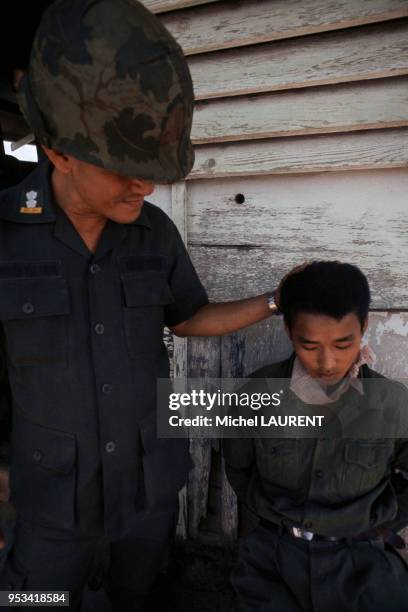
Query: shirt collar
[(32, 201), (143, 219), (310, 391)]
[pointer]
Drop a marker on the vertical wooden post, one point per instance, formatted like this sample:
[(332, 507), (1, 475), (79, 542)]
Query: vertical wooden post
[(179, 217), (204, 362)]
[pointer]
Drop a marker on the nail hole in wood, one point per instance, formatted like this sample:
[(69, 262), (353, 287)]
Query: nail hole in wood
[(240, 198)]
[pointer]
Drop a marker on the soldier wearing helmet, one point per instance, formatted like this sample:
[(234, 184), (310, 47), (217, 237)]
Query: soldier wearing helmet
[(89, 274)]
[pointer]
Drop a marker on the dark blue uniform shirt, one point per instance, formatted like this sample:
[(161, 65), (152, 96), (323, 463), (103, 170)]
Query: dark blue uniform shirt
[(84, 348)]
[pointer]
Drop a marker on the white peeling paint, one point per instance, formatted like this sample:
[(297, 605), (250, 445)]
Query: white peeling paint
[(395, 324)]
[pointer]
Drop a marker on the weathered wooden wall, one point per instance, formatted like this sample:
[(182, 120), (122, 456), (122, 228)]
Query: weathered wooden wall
[(301, 133)]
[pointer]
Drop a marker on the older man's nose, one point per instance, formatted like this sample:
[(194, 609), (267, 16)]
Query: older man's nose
[(142, 187)]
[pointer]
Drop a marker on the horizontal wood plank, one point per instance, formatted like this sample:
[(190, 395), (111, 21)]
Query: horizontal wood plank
[(233, 24), (353, 151), (382, 103), (238, 272), (160, 6), (334, 57), (242, 249)]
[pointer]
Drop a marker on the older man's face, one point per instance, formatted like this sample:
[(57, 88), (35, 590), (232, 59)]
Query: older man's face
[(106, 194)]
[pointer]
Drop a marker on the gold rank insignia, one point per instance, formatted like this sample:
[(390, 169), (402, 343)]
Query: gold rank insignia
[(31, 206)]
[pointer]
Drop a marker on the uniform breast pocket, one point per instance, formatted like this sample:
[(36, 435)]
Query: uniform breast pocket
[(145, 294), (34, 313), (277, 462), (366, 464)]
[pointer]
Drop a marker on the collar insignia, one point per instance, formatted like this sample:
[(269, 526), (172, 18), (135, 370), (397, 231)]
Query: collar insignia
[(31, 206)]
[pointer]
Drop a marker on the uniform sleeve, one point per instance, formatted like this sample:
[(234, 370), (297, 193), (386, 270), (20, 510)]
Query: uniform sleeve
[(399, 464), (239, 456), (239, 459), (5, 406), (188, 292), (399, 481)]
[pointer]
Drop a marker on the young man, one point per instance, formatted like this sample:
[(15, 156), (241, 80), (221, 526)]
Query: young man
[(89, 275), (327, 506)]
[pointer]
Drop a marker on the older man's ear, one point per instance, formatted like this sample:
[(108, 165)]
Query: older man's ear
[(59, 160)]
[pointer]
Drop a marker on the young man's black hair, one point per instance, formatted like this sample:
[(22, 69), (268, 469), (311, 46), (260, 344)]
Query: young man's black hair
[(332, 288)]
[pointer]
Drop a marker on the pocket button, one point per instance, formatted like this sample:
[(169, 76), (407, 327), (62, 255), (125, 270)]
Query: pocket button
[(94, 269), (28, 308), (37, 456)]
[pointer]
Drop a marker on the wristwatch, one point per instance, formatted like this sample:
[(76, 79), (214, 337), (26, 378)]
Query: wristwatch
[(272, 304)]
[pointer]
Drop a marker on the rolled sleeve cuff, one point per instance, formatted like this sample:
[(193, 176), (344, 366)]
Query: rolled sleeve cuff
[(183, 310)]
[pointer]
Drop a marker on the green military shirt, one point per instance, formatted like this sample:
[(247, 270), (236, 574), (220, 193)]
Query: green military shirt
[(334, 486)]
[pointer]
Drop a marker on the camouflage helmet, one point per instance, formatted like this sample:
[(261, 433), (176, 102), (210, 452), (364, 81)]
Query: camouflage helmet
[(110, 86)]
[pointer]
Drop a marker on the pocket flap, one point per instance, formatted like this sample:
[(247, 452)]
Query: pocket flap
[(146, 289), (367, 454), (276, 446), (26, 298), (49, 448)]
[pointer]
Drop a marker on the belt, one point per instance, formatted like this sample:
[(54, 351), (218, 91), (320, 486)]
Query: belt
[(304, 534), (310, 535), (392, 539)]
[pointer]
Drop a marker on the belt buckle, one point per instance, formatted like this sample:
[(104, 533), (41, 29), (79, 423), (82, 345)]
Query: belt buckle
[(302, 533)]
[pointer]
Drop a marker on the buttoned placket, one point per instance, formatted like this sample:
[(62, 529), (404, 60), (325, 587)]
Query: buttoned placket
[(102, 274)]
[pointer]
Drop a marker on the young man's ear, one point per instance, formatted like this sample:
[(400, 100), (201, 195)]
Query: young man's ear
[(365, 325), (288, 332)]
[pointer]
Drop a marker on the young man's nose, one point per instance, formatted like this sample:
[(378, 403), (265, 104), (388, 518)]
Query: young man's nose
[(327, 360)]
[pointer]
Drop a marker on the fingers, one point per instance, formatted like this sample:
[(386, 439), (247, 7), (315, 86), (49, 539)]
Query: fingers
[(294, 270)]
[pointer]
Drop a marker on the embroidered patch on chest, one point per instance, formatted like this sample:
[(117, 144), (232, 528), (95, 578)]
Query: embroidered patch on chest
[(138, 263), (29, 269)]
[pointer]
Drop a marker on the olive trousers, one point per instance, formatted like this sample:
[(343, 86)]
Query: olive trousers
[(277, 572)]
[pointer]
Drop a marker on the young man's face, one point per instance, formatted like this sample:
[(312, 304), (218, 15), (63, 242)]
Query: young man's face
[(326, 347)]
